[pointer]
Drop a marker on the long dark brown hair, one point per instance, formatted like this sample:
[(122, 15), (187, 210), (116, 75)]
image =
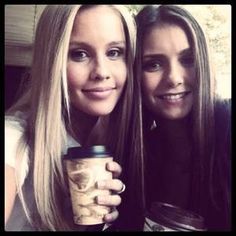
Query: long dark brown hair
[(202, 116)]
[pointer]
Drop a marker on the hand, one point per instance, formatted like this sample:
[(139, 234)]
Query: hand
[(115, 185)]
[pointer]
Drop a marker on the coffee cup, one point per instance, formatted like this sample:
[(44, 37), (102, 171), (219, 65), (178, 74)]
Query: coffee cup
[(85, 166), (168, 217)]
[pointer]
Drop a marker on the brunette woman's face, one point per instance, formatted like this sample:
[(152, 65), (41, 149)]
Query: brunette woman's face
[(96, 66), (168, 72)]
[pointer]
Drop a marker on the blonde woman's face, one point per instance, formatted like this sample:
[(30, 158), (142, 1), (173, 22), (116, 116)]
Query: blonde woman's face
[(96, 66), (168, 72)]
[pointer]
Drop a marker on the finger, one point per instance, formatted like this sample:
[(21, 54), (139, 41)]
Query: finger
[(111, 216), (115, 168), (108, 200), (112, 184)]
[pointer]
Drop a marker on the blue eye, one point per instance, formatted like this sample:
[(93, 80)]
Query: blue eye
[(115, 53), (78, 55)]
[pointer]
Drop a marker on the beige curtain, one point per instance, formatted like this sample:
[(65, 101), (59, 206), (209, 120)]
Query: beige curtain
[(20, 24)]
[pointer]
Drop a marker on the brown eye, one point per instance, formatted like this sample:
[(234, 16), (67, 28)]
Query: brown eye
[(152, 66), (187, 61)]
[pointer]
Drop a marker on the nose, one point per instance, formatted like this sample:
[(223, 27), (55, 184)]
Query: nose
[(175, 74), (100, 69)]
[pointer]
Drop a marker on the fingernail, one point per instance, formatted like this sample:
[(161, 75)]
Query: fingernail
[(110, 166), (108, 218)]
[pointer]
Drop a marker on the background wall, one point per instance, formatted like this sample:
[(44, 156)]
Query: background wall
[(20, 25)]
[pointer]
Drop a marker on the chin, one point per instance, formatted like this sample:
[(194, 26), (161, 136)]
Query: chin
[(100, 111), (175, 117), (178, 116)]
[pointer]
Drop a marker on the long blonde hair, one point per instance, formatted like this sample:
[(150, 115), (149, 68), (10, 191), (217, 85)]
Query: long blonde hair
[(48, 107)]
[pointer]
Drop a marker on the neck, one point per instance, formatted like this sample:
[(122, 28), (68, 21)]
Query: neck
[(84, 126), (176, 137), (174, 129)]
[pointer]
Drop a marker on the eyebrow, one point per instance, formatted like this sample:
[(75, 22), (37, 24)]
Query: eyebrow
[(83, 44), (154, 56), (184, 52)]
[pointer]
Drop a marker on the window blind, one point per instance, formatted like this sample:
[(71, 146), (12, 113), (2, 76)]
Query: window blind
[(20, 25)]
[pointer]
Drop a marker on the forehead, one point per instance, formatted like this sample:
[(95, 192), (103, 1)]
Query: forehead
[(163, 36), (97, 17)]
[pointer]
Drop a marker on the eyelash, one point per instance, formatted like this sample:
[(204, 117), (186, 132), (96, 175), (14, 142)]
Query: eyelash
[(187, 61), (79, 55), (75, 55), (152, 65), (119, 52), (157, 65)]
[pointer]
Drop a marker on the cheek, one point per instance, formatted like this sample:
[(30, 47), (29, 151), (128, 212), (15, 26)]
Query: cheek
[(75, 76), (191, 75), (71, 76), (120, 72), (150, 83)]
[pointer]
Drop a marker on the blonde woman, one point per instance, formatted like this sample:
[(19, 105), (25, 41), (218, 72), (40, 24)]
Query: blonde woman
[(80, 93)]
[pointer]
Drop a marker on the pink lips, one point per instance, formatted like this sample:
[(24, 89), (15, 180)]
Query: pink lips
[(98, 92), (173, 98)]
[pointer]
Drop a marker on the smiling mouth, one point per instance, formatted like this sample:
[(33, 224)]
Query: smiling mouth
[(173, 96)]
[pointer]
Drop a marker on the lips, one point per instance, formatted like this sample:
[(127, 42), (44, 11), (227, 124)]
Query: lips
[(97, 89), (173, 96), (98, 93)]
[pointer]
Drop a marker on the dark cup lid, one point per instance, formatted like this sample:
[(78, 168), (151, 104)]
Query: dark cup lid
[(87, 152), (177, 217)]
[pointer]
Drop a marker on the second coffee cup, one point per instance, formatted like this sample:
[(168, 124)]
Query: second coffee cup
[(85, 166), (167, 217)]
